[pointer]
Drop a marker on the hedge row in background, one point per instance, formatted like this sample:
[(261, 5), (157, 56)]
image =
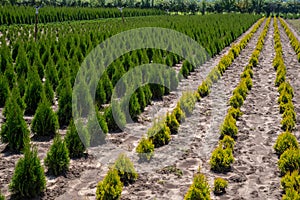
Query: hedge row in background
[(10, 15)]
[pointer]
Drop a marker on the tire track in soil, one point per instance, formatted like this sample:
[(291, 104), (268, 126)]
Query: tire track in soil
[(292, 73), (197, 137)]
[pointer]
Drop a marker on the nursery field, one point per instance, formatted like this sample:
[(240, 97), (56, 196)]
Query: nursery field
[(223, 128)]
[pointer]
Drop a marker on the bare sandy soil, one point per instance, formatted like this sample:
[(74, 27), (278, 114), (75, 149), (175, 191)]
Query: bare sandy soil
[(169, 174)]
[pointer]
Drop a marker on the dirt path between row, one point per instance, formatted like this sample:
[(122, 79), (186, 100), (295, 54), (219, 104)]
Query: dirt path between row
[(84, 174)]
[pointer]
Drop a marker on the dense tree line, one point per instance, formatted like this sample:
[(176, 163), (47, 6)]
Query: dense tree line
[(191, 7)]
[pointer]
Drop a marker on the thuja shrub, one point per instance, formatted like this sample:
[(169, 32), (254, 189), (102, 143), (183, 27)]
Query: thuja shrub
[(236, 100), (110, 120), (280, 78), (291, 194), (14, 131), (289, 113), (227, 142), (284, 97), (110, 187), (74, 143), (254, 60), (125, 169), (221, 68), (221, 159), (203, 89), (199, 189), (28, 179), (95, 136), (289, 161), (214, 75), (220, 186), (291, 181), (286, 87), (4, 92), (172, 123), (287, 124), (145, 149), (229, 127), (179, 114), (241, 89), (235, 112), (57, 159), (248, 72), (45, 122), (33, 92), (185, 69), (286, 106), (64, 112), (159, 134), (187, 103), (285, 141)]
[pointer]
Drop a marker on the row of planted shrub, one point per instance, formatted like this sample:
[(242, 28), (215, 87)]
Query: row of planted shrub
[(222, 157), (286, 145), (293, 40), (160, 133)]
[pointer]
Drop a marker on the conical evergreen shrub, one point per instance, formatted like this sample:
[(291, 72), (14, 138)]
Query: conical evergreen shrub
[(145, 149), (6, 58), (110, 188), (73, 142), (45, 122), (57, 159), (48, 89), (100, 97), (4, 92), (172, 123), (22, 63), (34, 90), (10, 76), (21, 81), (14, 131), (159, 134), (65, 106), (29, 179), (125, 169), (134, 106), (51, 73), (199, 190), (97, 137), (285, 141), (110, 120)]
